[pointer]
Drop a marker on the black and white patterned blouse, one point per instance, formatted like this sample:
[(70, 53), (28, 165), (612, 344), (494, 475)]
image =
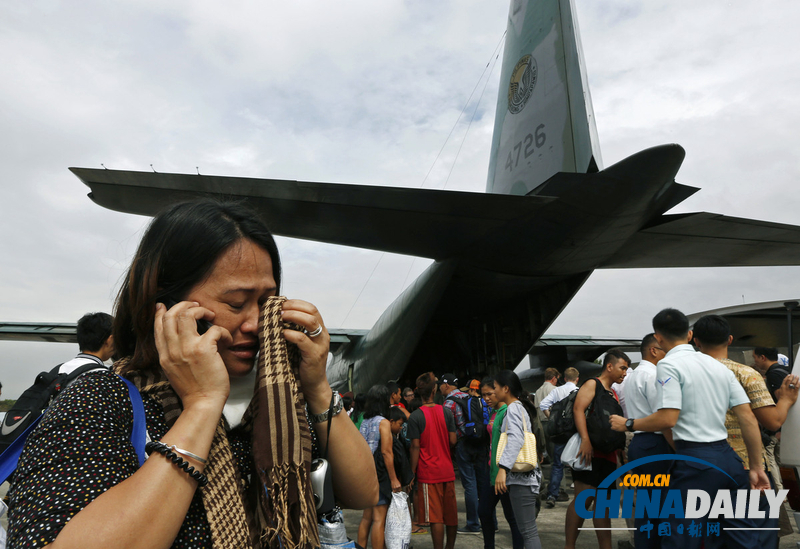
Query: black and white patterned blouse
[(81, 448)]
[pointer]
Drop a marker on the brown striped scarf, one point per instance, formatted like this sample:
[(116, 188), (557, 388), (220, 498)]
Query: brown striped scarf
[(284, 514)]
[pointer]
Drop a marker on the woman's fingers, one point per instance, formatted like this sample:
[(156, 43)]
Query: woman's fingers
[(315, 341), (300, 306), (191, 362), (313, 344), (158, 329), (304, 314), (177, 325)]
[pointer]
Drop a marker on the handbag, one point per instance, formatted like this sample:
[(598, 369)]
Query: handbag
[(526, 459), (569, 455)]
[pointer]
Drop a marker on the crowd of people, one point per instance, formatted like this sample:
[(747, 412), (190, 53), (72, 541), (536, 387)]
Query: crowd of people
[(685, 397), (204, 425), (440, 427)]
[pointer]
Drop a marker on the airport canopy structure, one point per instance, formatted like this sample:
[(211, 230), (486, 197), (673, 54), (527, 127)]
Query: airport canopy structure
[(51, 332), (767, 324)]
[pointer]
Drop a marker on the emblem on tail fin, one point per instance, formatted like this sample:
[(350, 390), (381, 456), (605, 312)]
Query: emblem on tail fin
[(523, 80)]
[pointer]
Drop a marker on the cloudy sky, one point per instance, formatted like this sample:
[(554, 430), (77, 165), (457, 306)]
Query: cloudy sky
[(367, 92)]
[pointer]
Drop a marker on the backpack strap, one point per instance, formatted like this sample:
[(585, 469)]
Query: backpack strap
[(597, 389), (462, 403), (468, 406), (139, 432), (10, 458), (524, 415), (79, 371)]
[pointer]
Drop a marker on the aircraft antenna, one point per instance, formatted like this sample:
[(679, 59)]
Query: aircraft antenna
[(474, 112), (408, 273), (364, 287), (495, 54), (492, 61)]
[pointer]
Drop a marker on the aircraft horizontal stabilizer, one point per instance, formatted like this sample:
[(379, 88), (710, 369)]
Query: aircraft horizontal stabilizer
[(709, 240), (420, 222)]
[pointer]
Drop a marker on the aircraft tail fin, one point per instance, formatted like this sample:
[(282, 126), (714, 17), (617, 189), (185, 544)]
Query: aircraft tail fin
[(544, 122)]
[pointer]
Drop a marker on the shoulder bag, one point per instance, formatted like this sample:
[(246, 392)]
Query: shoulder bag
[(526, 459)]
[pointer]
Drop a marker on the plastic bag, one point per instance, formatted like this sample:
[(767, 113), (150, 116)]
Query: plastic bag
[(3, 509), (332, 534), (398, 522), (570, 457)]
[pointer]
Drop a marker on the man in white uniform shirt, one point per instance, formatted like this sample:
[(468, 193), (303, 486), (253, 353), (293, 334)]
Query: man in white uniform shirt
[(642, 399), (695, 392), (557, 471)]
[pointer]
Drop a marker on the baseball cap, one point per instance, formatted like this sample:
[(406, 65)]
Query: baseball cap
[(475, 384), (450, 379)]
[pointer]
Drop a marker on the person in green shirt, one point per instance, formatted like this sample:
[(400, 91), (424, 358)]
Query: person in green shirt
[(358, 409), (488, 499)]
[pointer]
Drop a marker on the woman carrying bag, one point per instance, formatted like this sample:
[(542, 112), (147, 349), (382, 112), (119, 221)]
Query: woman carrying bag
[(522, 487), (489, 499), (376, 429)]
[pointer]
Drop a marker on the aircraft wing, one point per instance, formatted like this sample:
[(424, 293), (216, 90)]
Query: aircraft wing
[(420, 222), (708, 240), (51, 332), (66, 332), (344, 336)]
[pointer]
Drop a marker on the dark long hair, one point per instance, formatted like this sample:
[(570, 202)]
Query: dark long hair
[(177, 252), (377, 402), (507, 378), (359, 402)]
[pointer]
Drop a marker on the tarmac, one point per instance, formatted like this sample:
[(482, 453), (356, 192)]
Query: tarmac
[(550, 524)]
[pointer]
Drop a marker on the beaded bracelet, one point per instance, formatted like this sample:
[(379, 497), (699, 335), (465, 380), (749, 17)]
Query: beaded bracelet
[(165, 451)]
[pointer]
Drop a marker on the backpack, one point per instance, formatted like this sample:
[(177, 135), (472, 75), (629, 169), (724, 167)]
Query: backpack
[(35, 400), (32, 405), (562, 421), (472, 412), (601, 435)]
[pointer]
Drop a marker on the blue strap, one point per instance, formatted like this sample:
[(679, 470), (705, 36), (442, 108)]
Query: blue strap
[(139, 433), (9, 458)]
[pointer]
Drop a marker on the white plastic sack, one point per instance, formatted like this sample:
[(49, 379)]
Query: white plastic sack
[(570, 457), (398, 522), (332, 534), (3, 508)]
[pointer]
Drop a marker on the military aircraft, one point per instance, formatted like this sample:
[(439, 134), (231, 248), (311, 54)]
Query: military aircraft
[(506, 262)]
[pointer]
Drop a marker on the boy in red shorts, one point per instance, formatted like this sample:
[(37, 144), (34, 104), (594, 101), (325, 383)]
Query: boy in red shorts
[(432, 430)]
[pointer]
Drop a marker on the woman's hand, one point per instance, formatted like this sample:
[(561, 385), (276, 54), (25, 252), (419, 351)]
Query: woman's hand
[(396, 486), (586, 452), (500, 482), (190, 361), (313, 352)]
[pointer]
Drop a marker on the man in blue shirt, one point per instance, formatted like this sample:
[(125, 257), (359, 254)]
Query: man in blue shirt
[(557, 471)]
